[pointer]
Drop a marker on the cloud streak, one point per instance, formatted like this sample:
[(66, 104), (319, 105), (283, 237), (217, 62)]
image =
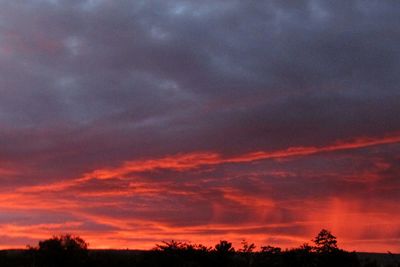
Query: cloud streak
[(194, 160)]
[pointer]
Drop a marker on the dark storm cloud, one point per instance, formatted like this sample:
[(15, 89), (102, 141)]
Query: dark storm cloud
[(139, 75)]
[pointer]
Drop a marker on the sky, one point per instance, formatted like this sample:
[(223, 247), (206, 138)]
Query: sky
[(132, 122)]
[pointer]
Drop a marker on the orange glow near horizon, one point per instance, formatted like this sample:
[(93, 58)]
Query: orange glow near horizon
[(100, 199)]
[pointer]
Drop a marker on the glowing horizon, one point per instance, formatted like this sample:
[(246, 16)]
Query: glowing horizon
[(349, 210)]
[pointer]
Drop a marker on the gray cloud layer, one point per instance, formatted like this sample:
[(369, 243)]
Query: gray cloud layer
[(154, 73)]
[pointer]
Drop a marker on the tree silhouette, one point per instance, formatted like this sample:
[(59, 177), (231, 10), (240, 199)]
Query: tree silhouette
[(68, 250), (325, 242)]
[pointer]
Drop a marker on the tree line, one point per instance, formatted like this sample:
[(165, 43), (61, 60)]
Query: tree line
[(68, 250)]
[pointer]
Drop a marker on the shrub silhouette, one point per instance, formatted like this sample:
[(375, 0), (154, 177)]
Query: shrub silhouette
[(271, 250), (171, 246), (246, 247), (224, 247), (63, 250)]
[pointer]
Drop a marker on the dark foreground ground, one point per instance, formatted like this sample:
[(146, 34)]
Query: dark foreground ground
[(381, 259), (122, 258)]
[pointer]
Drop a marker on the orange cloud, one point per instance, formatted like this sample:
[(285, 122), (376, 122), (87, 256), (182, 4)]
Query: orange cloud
[(348, 218), (184, 162)]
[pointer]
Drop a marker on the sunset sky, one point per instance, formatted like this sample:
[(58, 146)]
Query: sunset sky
[(132, 122)]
